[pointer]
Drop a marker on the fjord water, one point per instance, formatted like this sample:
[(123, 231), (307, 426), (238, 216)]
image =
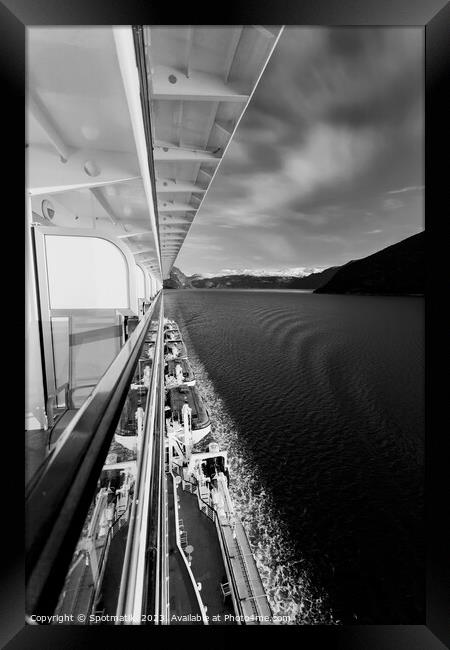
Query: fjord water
[(326, 396)]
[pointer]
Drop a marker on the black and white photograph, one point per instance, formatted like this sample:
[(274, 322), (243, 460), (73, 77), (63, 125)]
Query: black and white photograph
[(225, 285)]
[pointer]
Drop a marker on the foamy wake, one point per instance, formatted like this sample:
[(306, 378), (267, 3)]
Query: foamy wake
[(285, 576)]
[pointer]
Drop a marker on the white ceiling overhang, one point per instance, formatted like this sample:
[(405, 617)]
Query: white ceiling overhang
[(200, 81), (85, 153), (129, 152)]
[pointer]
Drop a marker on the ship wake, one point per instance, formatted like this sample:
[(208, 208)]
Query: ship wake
[(291, 591)]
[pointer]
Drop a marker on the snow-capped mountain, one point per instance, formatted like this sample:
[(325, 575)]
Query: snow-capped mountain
[(298, 272)]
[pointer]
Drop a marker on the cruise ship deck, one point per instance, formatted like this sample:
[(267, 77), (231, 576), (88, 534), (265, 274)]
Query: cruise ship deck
[(183, 600), (207, 562)]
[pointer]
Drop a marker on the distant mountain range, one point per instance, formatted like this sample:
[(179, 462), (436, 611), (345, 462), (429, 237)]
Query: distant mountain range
[(178, 280), (292, 272), (396, 270)]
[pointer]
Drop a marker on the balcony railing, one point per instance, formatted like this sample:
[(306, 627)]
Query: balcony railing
[(59, 499)]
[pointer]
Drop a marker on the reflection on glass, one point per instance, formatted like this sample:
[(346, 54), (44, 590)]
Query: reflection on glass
[(93, 581), (60, 328)]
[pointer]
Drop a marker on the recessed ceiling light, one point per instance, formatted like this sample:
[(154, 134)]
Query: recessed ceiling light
[(47, 209)]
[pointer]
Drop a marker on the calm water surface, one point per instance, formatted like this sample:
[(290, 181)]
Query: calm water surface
[(326, 395)]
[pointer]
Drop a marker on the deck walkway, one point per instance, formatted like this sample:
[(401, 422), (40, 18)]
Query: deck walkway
[(207, 562), (182, 598)]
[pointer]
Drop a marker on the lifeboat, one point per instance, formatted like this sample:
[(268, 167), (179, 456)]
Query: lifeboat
[(175, 399), (178, 371), (174, 350)]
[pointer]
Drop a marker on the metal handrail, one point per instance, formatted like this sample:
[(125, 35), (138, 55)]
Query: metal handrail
[(131, 594), (52, 398), (59, 501)]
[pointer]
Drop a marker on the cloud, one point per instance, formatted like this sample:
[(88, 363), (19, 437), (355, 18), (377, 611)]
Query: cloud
[(333, 131), (414, 188), (392, 204)]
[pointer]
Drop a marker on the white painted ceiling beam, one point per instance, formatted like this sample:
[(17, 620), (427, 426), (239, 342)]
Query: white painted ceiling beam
[(220, 127), (43, 118), (175, 207), (46, 171), (101, 198), (169, 84), (173, 234), (150, 260), (200, 148), (264, 31), (174, 229), (170, 185), (189, 41), (181, 223), (144, 252), (169, 220), (37, 191), (179, 124), (209, 124), (235, 36), (182, 154), (205, 173), (135, 234)]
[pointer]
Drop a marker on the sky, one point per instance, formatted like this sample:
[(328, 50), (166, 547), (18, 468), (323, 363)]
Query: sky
[(327, 163)]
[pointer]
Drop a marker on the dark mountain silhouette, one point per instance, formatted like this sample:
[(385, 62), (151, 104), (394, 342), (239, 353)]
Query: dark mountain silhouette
[(177, 280), (396, 270)]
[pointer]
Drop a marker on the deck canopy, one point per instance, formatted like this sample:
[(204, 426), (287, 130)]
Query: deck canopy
[(200, 80), (84, 164), (127, 126)]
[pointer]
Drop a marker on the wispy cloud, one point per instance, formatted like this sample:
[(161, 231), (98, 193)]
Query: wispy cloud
[(413, 188), (392, 204)]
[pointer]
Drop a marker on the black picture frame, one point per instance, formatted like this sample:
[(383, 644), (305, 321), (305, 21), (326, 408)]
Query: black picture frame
[(434, 17)]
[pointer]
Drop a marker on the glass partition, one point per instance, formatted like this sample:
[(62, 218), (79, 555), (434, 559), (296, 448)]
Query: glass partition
[(92, 584), (86, 273)]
